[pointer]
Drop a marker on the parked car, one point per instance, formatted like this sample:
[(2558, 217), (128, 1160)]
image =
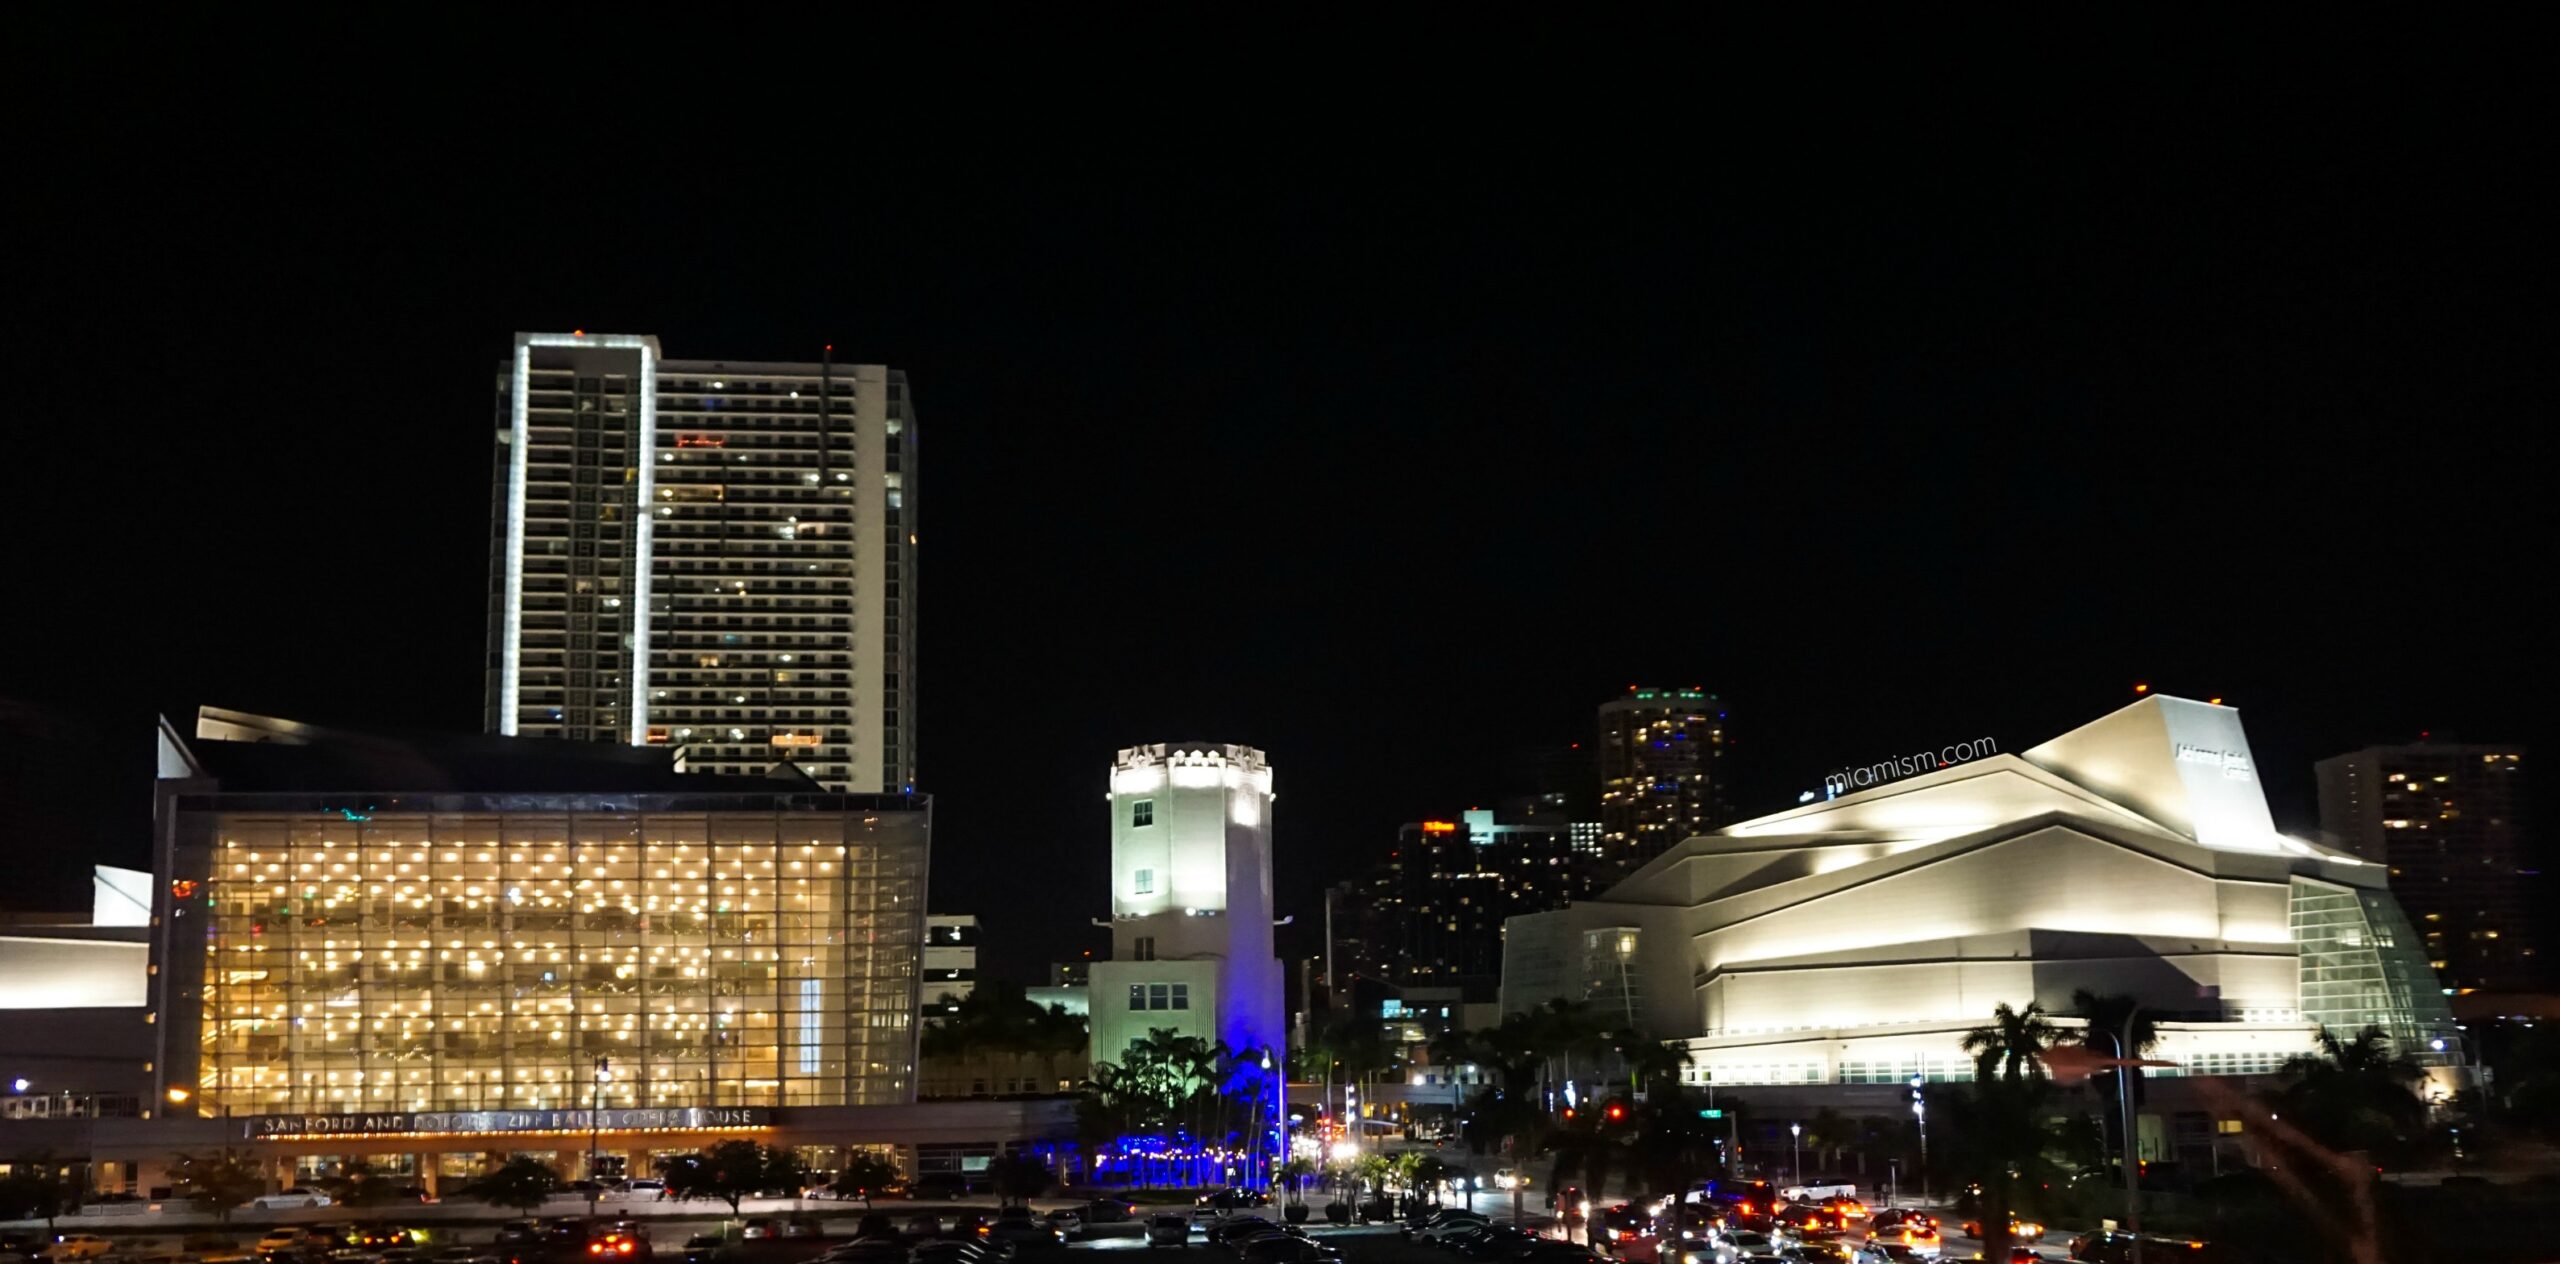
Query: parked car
[(1110, 1211), (702, 1247), (1022, 1231), (923, 1226), (1282, 1248), (1447, 1224), (1067, 1220), (648, 1187), (78, 1246), (290, 1199), (1168, 1229), (1414, 1226)]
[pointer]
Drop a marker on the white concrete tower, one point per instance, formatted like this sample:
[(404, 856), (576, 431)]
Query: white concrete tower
[(1190, 901)]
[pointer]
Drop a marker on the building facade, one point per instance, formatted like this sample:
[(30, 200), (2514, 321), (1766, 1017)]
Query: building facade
[(1662, 777), (636, 939), (717, 557), (1854, 941), (2447, 820), (1191, 940), (950, 961)]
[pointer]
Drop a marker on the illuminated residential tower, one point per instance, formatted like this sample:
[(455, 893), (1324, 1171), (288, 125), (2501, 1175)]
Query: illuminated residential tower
[(713, 556), (1661, 772)]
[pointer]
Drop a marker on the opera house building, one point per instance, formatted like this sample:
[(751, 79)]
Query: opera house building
[(1855, 939)]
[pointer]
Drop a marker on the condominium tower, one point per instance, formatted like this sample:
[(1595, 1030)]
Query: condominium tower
[(713, 556), (2447, 820), (1661, 772)]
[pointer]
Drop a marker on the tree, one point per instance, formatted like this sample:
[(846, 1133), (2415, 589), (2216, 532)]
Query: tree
[(1019, 1178), (357, 1184), (998, 1018), (2354, 1094), (2011, 1042), (1294, 1175), (864, 1174), (522, 1183), (221, 1181), (1826, 1134), (1999, 1129), (731, 1172), (2107, 1015), (35, 1188)]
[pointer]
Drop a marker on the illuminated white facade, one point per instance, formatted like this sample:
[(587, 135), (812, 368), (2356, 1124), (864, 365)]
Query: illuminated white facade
[(716, 556), (1855, 940), (1190, 901)]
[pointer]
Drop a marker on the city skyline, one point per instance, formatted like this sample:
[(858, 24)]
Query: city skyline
[(1390, 468)]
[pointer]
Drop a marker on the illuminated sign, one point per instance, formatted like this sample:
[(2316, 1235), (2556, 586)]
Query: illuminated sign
[(2233, 764), (370, 1122), (1439, 827), (795, 739)]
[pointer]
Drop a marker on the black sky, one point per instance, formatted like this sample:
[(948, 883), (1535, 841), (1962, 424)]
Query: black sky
[(1900, 408)]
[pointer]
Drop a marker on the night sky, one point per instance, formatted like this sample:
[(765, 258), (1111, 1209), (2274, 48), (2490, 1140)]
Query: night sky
[(1899, 411)]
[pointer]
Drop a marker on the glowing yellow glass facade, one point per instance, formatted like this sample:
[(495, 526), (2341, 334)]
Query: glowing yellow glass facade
[(487, 960)]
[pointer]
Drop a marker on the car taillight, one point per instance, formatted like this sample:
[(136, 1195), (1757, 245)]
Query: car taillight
[(595, 1248), (626, 1248)]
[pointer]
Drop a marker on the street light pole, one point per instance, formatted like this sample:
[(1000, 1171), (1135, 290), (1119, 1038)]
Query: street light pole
[(1920, 1113), (1796, 1165), (2124, 1099)]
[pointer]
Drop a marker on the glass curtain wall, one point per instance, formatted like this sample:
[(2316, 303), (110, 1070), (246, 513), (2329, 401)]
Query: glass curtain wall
[(2363, 965), (552, 960)]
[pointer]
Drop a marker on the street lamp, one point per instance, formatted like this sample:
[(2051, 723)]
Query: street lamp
[(1796, 1131), (2132, 1165), (1920, 1114)]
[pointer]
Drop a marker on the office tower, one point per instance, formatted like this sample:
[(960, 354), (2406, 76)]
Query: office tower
[(950, 962), (2447, 820), (1440, 901), (357, 923), (1662, 777), (1191, 943), (717, 557)]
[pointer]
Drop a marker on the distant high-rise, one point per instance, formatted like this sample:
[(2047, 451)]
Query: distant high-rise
[(717, 556), (1661, 772), (2447, 819)]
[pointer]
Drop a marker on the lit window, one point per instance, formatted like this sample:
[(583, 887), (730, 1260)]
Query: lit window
[(1146, 882)]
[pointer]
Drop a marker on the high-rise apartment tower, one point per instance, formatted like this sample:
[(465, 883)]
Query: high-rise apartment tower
[(1662, 777), (2448, 820), (717, 556)]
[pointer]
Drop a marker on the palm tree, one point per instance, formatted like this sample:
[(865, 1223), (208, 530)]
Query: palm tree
[(1293, 1179), (2011, 1042), (1828, 1132), (1652, 1063), (2354, 1094)]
